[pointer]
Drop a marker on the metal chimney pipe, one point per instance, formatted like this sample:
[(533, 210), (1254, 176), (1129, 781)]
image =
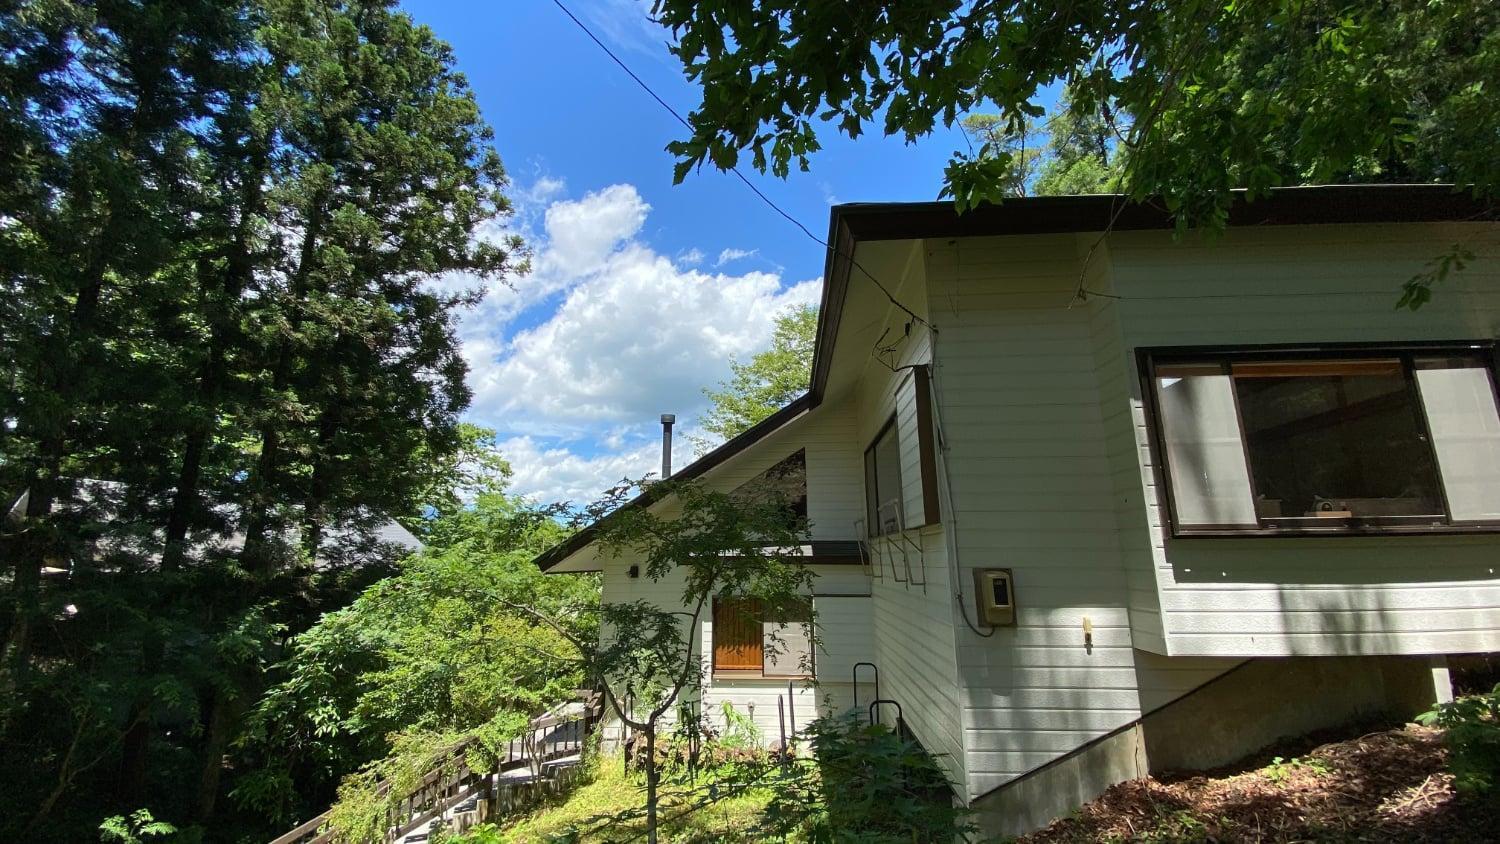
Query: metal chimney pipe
[(667, 420)]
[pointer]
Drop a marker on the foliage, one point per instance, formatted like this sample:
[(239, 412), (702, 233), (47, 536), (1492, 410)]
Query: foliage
[(421, 658), (1281, 769), (865, 783), (1223, 95), (769, 382), (1471, 726), (225, 365), (1014, 152), (134, 829)]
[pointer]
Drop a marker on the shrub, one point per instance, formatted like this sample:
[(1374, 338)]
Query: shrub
[(865, 783), (1471, 726)]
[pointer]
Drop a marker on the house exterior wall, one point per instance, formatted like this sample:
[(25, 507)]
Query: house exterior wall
[(1262, 596), (1033, 490), (1050, 468), (913, 615)]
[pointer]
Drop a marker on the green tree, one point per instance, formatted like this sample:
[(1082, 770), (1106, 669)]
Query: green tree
[(433, 651), (218, 221), (1012, 150), (1223, 95), (771, 380), (1082, 152)]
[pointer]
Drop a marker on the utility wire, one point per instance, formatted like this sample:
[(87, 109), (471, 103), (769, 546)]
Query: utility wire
[(742, 177)]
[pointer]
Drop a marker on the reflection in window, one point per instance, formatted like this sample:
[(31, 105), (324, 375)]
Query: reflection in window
[(883, 483), (1335, 439), (1329, 442)]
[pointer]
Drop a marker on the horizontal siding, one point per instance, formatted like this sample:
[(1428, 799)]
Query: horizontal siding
[(1034, 399), (1305, 596)]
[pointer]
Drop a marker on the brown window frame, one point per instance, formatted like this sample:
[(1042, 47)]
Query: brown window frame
[(740, 671), (1149, 358), (927, 454)]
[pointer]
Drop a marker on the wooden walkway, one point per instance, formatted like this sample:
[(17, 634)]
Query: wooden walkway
[(457, 797)]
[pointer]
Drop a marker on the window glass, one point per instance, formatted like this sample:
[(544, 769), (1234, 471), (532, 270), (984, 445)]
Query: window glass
[(1459, 399), (1335, 439), (1205, 455), (883, 483)]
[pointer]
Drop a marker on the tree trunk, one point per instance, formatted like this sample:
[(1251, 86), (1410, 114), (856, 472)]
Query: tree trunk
[(215, 741), (651, 784)]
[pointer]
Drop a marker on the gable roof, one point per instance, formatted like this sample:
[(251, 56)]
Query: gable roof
[(852, 223)]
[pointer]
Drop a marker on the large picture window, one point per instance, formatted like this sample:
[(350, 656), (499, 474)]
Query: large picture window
[(1328, 440), (749, 641)]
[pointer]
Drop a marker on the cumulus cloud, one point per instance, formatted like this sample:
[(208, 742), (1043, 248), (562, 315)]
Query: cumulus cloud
[(619, 333)]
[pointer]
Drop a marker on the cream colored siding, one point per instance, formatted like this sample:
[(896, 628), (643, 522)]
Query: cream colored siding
[(912, 624), (1034, 400), (1316, 284)]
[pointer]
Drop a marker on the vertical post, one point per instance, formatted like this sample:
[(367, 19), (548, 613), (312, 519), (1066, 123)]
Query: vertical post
[(1442, 680)]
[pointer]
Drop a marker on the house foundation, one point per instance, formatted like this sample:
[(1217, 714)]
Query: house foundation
[(1242, 711)]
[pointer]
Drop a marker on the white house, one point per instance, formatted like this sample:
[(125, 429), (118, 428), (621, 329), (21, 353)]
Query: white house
[(1227, 490)]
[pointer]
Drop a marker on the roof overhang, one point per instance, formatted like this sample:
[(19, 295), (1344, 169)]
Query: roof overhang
[(854, 223)]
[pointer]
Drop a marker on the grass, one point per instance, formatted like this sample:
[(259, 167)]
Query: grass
[(609, 807)]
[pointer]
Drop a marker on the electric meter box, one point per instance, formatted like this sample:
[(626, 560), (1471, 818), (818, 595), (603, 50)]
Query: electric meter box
[(997, 597)]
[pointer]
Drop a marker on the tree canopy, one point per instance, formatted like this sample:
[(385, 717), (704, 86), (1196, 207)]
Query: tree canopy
[(226, 364), (1218, 95), (769, 381)]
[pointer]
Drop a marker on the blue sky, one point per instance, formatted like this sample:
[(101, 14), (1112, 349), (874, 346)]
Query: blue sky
[(642, 291)]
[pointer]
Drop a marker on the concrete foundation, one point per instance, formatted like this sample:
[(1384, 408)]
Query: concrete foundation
[(1231, 717), (1271, 699)]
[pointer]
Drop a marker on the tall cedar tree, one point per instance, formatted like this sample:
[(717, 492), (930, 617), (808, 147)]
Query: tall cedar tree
[(219, 222)]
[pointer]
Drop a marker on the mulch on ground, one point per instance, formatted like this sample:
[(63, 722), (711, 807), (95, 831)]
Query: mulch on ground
[(1385, 786)]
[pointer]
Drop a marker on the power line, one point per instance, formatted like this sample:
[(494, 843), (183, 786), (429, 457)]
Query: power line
[(742, 177)]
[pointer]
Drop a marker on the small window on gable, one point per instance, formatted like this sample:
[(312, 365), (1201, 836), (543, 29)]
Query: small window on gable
[(748, 640), (1328, 441), (788, 478)]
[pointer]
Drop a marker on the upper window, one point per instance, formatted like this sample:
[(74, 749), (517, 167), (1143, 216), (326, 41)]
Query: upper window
[(748, 641), (1329, 441), (787, 479), (885, 496), (885, 510)]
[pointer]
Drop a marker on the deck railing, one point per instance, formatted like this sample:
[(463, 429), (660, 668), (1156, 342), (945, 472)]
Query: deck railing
[(529, 762)]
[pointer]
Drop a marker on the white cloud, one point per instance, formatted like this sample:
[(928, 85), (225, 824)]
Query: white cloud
[(634, 334), (555, 474), (691, 258), (729, 255)]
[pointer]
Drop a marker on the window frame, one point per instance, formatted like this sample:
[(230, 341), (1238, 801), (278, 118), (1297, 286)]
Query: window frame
[(870, 465), (1149, 358), (921, 381), (753, 673)]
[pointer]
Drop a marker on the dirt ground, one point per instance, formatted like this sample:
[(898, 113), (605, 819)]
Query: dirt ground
[(1385, 786)]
